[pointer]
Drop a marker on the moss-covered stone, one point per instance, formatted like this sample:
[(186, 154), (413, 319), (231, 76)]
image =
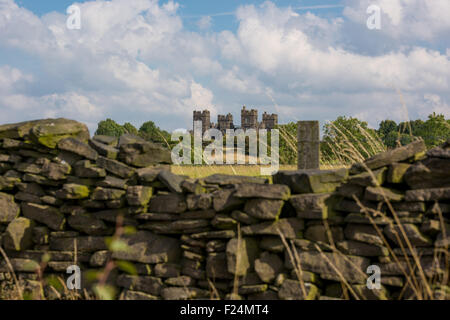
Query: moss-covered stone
[(108, 140), (140, 153), (139, 195), (78, 147), (370, 294), (86, 169), (320, 233), (429, 173), (9, 210), (8, 183), (311, 181), (222, 221), (415, 237), (19, 234), (20, 265), (363, 233), (50, 131), (397, 172), (72, 191), (105, 194), (44, 214), (252, 289), (87, 224), (104, 149), (223, 179), (193, 186), (267, 266), (392, 156), (264, 209), (351, 268), (383, 194), (264, 191), (216, 266), (115, 167), (369, 179), (16, 130), (171, 181), (146, 247), (315, 206), (241, 254), (292, 290), (145, 284), (357, 248), (291, 228)]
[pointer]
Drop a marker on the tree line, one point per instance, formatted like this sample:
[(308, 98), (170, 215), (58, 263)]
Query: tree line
[(344, 140), (148, 131), (347, 139)]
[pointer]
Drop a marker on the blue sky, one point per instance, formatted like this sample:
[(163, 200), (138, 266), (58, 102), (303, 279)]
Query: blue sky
[(192, 10), (138, 60), (193, 7)]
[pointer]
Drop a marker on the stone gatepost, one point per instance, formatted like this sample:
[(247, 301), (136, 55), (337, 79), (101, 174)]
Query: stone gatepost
[(308, 138)]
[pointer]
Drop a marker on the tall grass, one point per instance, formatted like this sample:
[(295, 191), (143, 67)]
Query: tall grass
[(348, 150)]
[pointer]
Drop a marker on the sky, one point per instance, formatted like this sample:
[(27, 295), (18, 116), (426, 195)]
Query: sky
[(139, 60)]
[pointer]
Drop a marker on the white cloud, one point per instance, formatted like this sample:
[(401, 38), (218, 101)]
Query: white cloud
[(204, 22), (12, 79), (234, 80), (133, 60), (434, 103), (407, 19)]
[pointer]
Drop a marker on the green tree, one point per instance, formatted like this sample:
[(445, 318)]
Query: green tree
[(387, 126), (434, 131), (388, 132), (109, 127), (348, 140), (129, 128), (149, 131), (390, 139)]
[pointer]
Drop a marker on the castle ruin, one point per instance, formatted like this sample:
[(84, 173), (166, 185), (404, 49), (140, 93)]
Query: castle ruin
[(203, 116), (249, 120)]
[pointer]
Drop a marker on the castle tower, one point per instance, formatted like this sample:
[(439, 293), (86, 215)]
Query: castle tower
[(249, 119), (204, 117), (269, 121), (225, 122)]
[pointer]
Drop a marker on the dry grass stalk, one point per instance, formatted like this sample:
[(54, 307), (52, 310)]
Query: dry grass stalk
[(13, 274), (349, 287), (238, 260), (295, 262), (367, 211), (214, 294)]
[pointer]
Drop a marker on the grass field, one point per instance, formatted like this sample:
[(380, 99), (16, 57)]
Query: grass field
[(239, 170)]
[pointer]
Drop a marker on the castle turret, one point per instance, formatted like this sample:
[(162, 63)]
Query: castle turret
[(249, 118), (205, 117), (269, 121), (225, 122)]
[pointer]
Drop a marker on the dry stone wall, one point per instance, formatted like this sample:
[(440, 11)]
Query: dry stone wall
[(66, 199)]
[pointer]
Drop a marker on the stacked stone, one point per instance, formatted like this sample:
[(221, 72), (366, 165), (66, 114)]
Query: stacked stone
[(60, 190), (68, 200), (363, 208), (220, 222)]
